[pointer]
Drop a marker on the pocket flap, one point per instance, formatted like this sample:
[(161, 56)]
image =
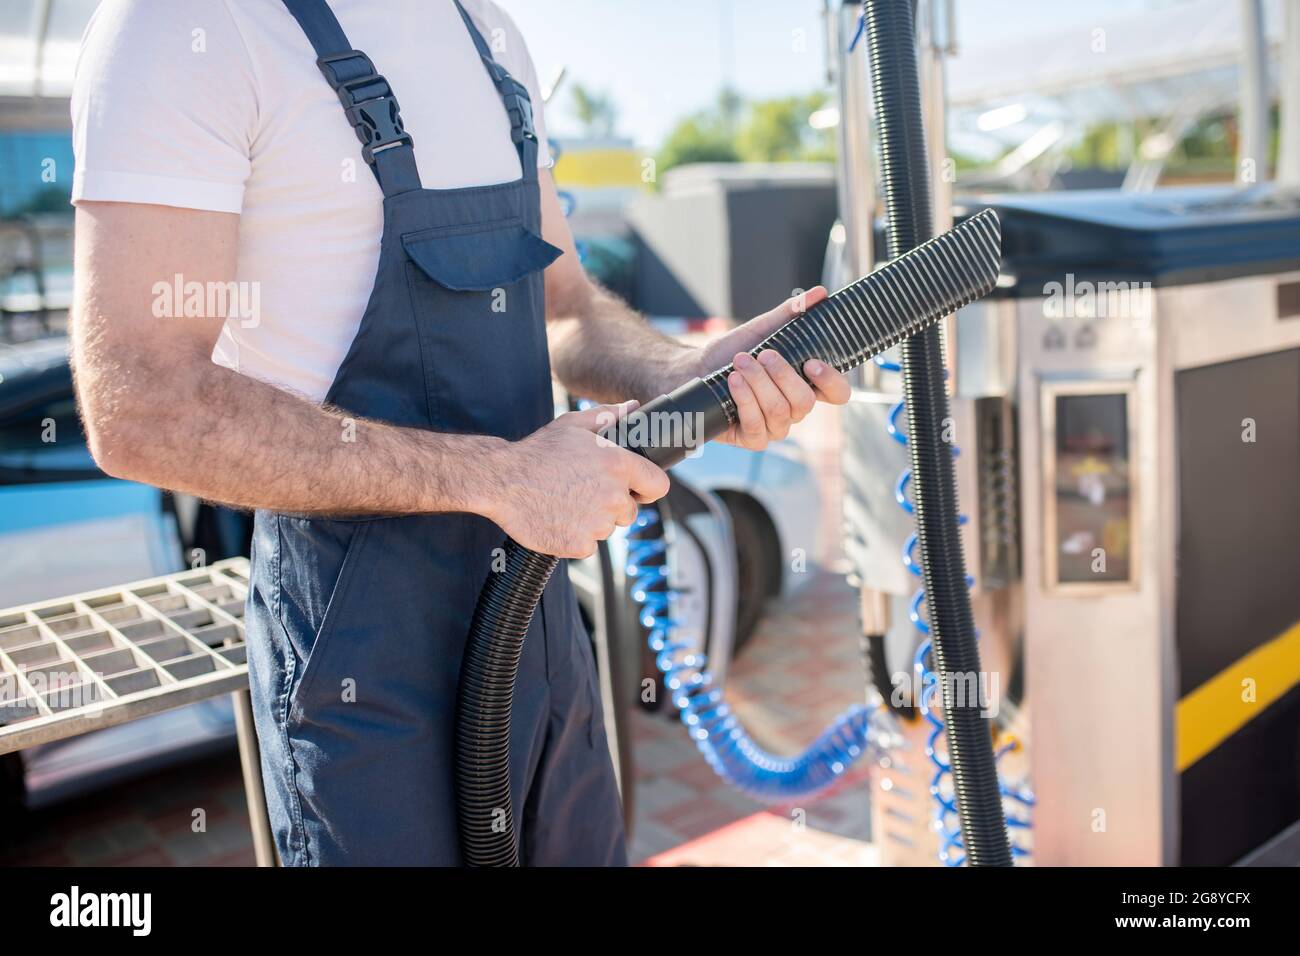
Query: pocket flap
[(479, 257)]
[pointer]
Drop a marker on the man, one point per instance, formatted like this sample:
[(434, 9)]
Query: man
[(295, 297)]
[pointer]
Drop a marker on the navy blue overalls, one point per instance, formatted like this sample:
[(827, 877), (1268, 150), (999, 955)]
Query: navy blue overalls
[(356, 626)]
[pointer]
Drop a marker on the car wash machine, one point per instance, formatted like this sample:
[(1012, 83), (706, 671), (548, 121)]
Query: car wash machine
[(1111, 384), (1126, 413)]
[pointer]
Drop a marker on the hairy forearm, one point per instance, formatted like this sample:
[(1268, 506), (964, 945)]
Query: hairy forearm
[(603, 350), (195, 427)]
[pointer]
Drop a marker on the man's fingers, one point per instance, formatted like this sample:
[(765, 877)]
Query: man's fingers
[(799, 395), (627, 514), (646, 480), (598, 417), (584, 548), (831, 386), (751, 430), (775, 409), (770, 321), (797, 304), (804, 302)]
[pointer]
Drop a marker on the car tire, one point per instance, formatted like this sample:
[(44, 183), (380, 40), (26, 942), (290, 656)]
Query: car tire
[(758, 563)]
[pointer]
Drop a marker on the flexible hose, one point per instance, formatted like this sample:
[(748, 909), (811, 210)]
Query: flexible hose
[(905, 169), (875, 668), (951, 847), (716, 730), (861, 320)]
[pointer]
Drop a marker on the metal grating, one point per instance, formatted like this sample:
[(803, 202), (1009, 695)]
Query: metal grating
[(81, 663)]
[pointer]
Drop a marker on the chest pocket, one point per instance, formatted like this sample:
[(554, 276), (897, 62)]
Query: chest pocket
[(479, 257), (476, 291)]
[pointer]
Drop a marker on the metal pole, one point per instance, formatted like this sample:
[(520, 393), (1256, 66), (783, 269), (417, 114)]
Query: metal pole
[(1252, 142), (857, 182), (250, 760), (1288, 160), (41, 34), (932, 46)]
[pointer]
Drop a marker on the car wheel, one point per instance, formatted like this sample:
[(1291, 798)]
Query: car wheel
[(758, 563)]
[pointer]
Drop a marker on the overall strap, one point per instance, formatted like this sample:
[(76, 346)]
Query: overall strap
[(368, 100), (518, 104)]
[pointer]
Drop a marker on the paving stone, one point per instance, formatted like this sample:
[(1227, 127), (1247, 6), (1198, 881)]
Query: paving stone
[(659, 793), (122, 838)]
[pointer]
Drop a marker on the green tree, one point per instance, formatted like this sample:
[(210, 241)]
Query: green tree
[(697, 139), (777, 131), (595, 111), (705, 137), (733, 131)]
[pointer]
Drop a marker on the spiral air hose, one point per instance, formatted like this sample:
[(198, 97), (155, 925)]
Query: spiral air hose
[(718, 734), (863, 319), (896, 94)]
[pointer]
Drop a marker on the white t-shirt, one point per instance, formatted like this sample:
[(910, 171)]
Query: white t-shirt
[(219, 105)]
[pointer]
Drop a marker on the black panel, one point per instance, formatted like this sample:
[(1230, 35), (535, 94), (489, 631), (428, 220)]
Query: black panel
[(734, 247), (1288, 300), (1239, 510), (1238, 587), (778, 243), (1246, 790)]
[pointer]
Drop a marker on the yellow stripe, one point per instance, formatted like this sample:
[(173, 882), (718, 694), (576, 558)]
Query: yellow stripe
[(1216, 710)]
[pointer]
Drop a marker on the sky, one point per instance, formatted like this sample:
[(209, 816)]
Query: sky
[(663, 59)]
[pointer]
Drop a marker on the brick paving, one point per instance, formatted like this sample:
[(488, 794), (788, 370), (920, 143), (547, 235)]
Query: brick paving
[(148, 822), (799, 672)]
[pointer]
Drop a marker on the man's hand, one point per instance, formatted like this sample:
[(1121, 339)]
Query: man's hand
[(769, 394), (568, 488)]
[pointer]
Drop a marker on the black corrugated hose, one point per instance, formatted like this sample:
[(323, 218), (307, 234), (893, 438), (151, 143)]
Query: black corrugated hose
[(862, 320), (905, 171)]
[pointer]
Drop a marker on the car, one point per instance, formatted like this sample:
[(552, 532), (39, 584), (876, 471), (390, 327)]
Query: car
[(773, 501)]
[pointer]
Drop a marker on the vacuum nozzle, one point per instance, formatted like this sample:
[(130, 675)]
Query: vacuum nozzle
[(858, 322)]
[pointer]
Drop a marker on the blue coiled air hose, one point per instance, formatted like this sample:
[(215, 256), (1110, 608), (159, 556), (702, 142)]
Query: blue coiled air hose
[(860, 321), (714, 727)]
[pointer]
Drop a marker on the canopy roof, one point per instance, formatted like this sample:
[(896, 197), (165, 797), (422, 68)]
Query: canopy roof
[(38, 45), (38, 54), (1146, 65)]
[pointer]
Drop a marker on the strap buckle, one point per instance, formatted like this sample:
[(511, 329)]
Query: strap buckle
[(368, 102), (519, 107), (520, 111), (378, 124)]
